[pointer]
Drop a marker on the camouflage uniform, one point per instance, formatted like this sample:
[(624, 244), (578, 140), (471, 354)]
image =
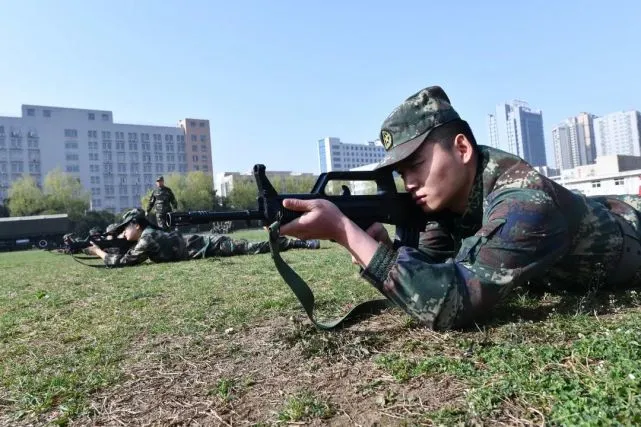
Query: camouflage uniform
[(520, 228), (162, 198), (163, 246)]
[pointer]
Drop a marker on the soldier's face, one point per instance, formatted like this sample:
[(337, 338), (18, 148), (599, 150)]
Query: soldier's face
[(437, 175), (133, 232), (159, 184)]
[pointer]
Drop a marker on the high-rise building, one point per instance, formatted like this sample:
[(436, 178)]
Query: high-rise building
[(518, 129), (334, 155), (573, 141), (117, 163), (618, 133)]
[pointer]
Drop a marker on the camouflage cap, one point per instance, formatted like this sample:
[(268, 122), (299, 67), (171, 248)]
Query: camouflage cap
[(111, 227), (160, 178), (410, 123), (129, 216)]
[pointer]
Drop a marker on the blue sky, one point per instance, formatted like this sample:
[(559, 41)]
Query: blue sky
[(275, 76)]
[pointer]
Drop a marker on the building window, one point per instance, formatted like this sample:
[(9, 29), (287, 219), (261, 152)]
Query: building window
[(194, 138), (71, 133), (203, 148), (596, 184), (46, 113), (192, 124), (31, 112), (105, 117), (618, 181), (202, 124), (92, 116)]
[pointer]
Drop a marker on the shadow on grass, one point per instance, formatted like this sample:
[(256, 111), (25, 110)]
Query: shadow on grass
[(538, 305)]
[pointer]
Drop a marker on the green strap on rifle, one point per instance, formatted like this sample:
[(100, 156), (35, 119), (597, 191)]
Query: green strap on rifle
[(304, 293)]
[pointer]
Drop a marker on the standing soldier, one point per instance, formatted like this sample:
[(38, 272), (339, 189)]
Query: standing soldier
[(163, 199)]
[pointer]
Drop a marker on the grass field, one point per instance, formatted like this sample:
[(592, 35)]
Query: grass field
[(225, 342)]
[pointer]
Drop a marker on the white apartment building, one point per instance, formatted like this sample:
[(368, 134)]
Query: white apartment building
[(117, 163), (618, 133), (609, 175), (334, 155)]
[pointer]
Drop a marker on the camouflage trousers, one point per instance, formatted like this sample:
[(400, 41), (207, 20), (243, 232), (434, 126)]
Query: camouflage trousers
[(161, 220), (221, 245)]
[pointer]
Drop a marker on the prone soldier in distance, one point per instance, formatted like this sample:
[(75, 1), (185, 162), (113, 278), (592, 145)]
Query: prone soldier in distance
[(162, 246)]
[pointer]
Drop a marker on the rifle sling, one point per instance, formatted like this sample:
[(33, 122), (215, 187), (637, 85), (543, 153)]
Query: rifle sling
[(304, 293)]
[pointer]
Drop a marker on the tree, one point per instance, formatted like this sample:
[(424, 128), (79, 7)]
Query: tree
[(199, 191), (64, 194), (243, 194), (100, 219), (25, 197)]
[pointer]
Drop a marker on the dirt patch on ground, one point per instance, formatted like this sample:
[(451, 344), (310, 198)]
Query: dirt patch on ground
[(278, 371)]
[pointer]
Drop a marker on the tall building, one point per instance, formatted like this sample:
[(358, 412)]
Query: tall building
[(117, 163), (573, 141), (618, 133), (334, 155), (518, 129)]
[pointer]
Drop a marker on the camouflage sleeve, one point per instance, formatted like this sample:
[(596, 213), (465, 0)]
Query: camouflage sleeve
[(172, 199), (437, 242), (522, 235), (152, 201), (136, 255)]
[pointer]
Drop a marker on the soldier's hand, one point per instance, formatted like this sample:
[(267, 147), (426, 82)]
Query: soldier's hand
[(321, 219), (91, 250), (379, 233)]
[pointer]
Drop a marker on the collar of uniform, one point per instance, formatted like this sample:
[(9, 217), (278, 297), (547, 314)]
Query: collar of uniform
[(472, 217)]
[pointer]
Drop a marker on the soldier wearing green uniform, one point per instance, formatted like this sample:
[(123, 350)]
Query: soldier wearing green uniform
[(162, 198), (507, 225), (162, 246)]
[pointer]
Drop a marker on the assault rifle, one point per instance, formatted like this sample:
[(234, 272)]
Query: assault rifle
[(387, 206), (74, 247)]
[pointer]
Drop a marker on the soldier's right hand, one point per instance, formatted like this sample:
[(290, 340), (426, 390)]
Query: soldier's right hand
[(379, 233)]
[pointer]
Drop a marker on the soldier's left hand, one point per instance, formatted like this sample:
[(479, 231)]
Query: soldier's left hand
[(321, 220), (91, 250)]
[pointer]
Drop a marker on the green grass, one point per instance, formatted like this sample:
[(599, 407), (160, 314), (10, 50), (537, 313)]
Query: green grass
[(68, 332)]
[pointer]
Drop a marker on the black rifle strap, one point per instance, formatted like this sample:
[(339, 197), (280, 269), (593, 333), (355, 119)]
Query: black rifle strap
[(304, 293), (77, 259)]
